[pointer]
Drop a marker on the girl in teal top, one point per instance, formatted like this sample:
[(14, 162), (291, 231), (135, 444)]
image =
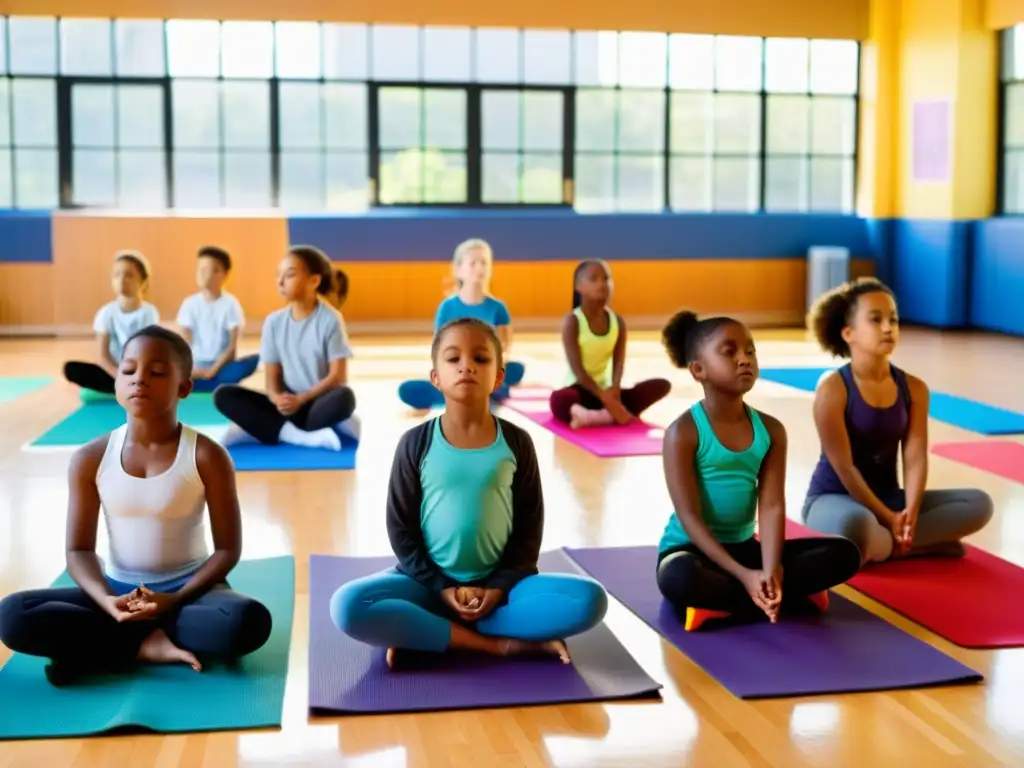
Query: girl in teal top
[(594, 338), (725, 465)]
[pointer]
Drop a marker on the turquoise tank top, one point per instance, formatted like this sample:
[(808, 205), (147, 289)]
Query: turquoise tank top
[(727, 482)]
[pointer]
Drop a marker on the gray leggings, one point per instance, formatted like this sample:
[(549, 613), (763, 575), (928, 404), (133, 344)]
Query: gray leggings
[(946, 516)]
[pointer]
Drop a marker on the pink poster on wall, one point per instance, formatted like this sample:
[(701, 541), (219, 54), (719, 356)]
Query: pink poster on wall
[(932, 148)]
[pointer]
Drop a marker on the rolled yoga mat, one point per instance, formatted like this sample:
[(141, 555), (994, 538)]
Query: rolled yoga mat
[(347, 676), (950, 409), (845, 650), (998, 457), (638, 438), (163, 698), (98, 418), (13, 387), (972, 601)]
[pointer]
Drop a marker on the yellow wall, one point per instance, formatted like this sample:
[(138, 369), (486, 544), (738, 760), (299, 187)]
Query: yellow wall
[(785, 18), (1000, 14), (945, 52)]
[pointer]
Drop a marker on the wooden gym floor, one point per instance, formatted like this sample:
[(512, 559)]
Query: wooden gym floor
[(589, 502)]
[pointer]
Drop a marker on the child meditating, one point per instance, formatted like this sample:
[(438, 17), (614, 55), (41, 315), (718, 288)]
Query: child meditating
[(162, 596), (472, 267), (212, 322), (594, 338), (869, 413), (114, 323), (725, 466), (465, 516), (305, 351)]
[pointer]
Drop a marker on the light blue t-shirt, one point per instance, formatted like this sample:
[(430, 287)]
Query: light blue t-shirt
[(727, 481), (121, 325), (305, 348), (466, 513), (490, 310)]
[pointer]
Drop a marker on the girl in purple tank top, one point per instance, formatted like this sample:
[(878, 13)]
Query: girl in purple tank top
[(869, 414)]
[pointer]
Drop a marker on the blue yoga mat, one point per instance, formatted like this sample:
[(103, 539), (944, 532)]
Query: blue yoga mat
[(949, 409), (13, 387), (99, 417), (164, 698)]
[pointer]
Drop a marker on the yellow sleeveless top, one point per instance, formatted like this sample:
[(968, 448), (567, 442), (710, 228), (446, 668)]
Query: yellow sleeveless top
[(596, 352)]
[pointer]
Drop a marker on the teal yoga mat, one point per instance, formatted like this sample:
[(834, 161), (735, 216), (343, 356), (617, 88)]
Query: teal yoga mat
[(957, 411), (13, 387), (99, 417), (163, 699)]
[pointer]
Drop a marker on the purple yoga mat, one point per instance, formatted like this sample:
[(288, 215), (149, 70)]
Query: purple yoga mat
[(638, 438), (845, 650), (346, 676)]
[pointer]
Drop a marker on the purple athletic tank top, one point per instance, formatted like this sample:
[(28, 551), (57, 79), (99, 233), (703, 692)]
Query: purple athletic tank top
[(875, 437)]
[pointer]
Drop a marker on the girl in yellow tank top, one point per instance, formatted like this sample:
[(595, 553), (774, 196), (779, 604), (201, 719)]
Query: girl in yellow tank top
[(594, 338)]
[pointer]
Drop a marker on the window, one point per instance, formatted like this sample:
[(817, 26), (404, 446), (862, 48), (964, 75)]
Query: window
[(811, 118), (1011, 166), (197, 113)]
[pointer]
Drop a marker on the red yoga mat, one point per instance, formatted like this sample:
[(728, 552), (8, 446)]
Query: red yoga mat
[(973, 601), (999, 457)]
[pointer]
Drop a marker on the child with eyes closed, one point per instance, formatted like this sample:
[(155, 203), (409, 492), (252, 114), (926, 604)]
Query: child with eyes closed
[(162, 597), (465, 517), (725, 466), (114, 324)]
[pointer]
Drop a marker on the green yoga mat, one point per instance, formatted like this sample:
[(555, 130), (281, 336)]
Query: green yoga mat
[(159, 698), (13, 387), (99, 417)]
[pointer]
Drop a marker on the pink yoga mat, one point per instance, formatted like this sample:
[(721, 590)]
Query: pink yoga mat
[(999, 457), (638, 438)]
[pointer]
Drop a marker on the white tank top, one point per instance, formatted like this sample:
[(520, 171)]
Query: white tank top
[(156, 525)]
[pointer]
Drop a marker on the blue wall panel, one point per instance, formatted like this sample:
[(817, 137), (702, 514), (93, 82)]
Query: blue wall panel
[(431, 235), (997, 276), (930, 271), (26, 236)]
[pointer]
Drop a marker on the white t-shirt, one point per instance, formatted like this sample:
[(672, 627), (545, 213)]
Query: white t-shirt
[(113, 320), (211, 324)]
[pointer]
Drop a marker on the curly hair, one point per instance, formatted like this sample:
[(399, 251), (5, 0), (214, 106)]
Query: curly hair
[(180, 349), (833, 311), (684, 335)]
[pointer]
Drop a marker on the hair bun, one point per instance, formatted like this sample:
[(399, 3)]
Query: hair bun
[(675, 334)]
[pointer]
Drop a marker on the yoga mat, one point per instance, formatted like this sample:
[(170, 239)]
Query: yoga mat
[(972, 601), (253, 457), (163, 698), (99, 417), (638, 438), (949, 409), (845, 650), (999, 457), (349, 677), (13, 387)]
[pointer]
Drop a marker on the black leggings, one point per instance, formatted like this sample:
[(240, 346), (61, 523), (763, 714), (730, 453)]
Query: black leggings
[(89, 376), (65, 625), (254, 413), (689, 579)]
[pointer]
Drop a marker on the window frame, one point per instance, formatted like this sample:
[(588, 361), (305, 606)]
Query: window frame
[(474, 152)]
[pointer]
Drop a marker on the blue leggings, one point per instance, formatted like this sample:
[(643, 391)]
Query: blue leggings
[(422, 395), (232, 373), (392, 610)]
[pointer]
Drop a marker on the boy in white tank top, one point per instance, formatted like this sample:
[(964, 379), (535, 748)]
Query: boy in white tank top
[(162, 596)]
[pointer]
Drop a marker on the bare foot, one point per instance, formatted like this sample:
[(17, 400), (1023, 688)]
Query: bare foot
[(158, 649), (389, 657), (549, 648)]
